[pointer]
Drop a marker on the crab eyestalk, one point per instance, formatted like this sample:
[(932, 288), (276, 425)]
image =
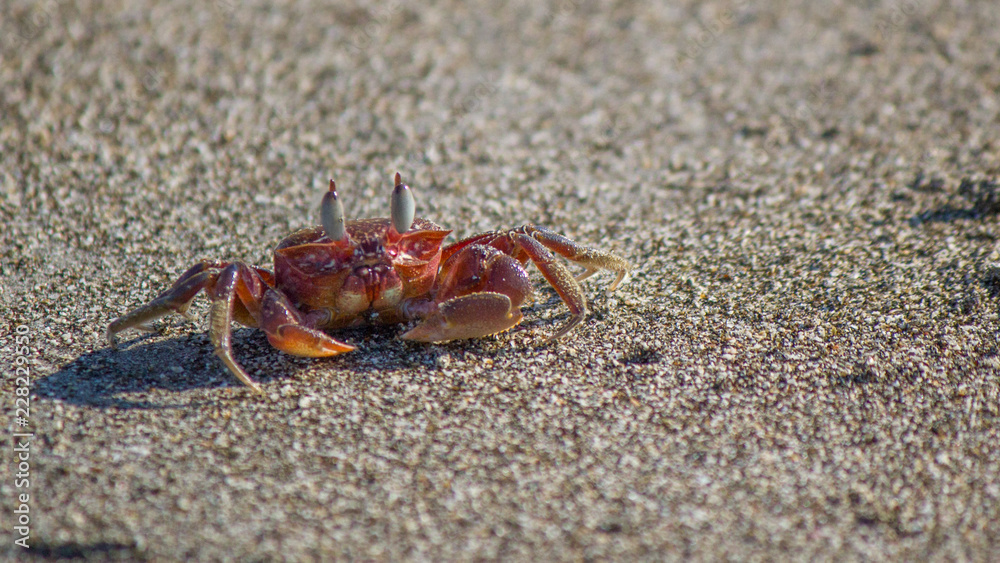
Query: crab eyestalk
[(403, 206), (332, 215)]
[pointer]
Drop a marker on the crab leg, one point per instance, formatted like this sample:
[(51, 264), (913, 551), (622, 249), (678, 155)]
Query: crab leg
[(467, 310), (224, 296), (238, 288), (242, 293), (482, 239), (537, 242), (590, 258), (558, 277), (176, 299)]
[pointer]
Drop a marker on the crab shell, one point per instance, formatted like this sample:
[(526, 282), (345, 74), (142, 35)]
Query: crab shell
[(373, 270)]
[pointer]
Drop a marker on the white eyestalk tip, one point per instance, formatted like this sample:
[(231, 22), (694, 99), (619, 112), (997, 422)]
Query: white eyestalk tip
[(403, 207), (332, 215)]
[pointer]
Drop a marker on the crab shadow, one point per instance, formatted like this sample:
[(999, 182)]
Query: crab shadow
[(131, 376), (135, 375), (103, 551)]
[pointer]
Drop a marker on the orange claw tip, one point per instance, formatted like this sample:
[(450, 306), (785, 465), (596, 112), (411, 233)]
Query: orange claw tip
[(399, 179), (333, 187), (306, 342)]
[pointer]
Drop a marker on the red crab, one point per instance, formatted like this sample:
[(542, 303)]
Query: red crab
[(383, 270)]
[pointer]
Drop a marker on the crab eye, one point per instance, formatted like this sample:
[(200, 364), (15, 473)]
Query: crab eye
[(332, 215), (402, 207)]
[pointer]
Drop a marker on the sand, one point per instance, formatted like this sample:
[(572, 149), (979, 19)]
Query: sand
[(804, 363)]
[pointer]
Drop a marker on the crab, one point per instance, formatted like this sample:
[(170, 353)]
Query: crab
[(379, 271)]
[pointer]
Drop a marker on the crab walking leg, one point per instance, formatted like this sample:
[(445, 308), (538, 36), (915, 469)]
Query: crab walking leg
[(455, 319), (177, 299), (241, 290), (590, 258), (481, 239), (224, 297), (560, 278)]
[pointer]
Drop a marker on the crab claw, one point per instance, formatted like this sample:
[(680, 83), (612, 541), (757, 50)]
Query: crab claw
[(469, 316), (332, 215), (403, 207)]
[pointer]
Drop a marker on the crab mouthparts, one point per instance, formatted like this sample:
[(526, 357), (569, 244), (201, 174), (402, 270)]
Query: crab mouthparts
[(376, 280)]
